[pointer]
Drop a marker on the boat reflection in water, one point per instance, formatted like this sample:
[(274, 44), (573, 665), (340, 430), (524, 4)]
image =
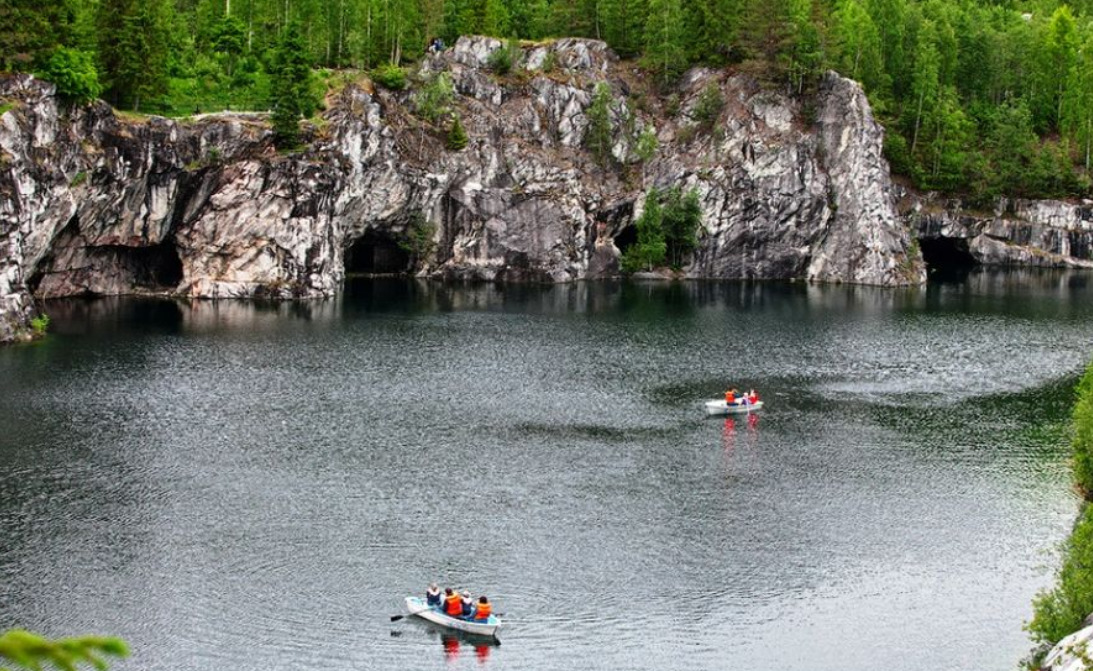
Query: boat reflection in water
[(454, 643), (457, 644), (728, 432)]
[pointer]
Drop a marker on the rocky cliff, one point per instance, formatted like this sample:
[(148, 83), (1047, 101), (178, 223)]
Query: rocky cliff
[(1017, 232), (100, 203)]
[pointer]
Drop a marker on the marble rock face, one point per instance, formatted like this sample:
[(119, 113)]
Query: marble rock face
[(98, 204)]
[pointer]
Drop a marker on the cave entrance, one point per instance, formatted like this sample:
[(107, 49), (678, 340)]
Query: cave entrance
[(376, 254), (156, 267), (626, 238), (947, 256)]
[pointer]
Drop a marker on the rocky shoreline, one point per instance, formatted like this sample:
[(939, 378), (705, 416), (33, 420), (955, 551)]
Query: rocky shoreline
[(100, 203)]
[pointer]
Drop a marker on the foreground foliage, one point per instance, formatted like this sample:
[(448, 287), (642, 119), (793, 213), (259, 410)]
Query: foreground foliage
[(1060, 612), (30, 651)]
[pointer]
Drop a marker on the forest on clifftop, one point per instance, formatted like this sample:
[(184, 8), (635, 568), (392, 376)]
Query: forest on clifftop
[(979, 98)]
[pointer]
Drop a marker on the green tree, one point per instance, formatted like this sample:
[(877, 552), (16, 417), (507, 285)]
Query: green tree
[(664, 52), (681, 218), (650, 249), (1077, 112), (495, 18), (433, 101), (133, 48), (30, 29), (457, 136), (74, 73), (290, 87), (924, 81), (229, 40), (623, 23), (858, 46), (1057, 57), (598, 138), (30, 651)]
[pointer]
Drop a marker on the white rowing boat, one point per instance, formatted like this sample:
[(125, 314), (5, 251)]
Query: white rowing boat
[(417, 606), (720, 407)]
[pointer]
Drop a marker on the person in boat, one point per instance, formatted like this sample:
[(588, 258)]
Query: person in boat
[(453, 604), (732, 396), (467, 603), (752, 396), (483, 609), (432, 596)]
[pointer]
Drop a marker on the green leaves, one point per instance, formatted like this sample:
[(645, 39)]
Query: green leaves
[(457, 136), (30, 651), (74, 73), (667, 231), (598, 138)]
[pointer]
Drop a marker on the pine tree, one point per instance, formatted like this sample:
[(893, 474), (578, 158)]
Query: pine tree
[(664, 52), (290, 87), (457, 136), (133, 48), (598, 136)]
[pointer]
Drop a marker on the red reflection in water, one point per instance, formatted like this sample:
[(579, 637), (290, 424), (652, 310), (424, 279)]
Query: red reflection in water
[(753, 422), (728, 435), (482, 652), (451, 647), (452, 644)]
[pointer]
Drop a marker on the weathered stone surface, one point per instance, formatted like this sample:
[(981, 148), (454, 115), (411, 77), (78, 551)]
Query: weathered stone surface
[(1073, 653), (98, 204), (1042, 233)]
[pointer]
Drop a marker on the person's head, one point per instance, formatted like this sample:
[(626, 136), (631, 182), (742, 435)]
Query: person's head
[(433, 587), (448, 591), (466, 594), (483, 599)]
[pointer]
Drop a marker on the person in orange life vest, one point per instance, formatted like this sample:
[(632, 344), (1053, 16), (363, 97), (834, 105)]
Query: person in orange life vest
[(730, 396), (453, 605), (483, 610), (467, 603)]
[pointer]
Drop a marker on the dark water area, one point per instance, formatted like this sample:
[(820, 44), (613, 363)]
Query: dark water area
[(231, 485)]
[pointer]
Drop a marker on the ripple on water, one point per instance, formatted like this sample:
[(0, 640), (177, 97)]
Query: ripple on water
[(237, 487)]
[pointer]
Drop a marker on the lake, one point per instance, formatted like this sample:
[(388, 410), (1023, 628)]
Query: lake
[(232, 485)]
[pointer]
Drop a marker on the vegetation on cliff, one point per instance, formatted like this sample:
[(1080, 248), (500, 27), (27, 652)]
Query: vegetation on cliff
[(1060, 612), (979, 97)]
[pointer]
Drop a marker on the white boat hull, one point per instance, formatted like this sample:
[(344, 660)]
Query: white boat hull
[(417, 606), (722, 408)]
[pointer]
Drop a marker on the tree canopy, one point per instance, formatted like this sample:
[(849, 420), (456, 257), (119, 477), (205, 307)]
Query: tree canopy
[(948, 78)]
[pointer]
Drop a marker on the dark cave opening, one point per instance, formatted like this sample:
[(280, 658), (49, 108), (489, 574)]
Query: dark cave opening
[(156, 267), (626, 238), (947, 256), (376, 254)]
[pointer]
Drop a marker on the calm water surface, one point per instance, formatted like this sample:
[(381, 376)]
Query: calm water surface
[(247, 487)]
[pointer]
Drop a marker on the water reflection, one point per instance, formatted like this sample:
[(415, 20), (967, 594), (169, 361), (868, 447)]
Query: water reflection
[(729, 438), (218, 481), (455, 645)]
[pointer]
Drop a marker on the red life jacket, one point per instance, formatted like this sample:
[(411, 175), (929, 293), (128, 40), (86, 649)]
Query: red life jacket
[(453, 605), (483, 611)]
